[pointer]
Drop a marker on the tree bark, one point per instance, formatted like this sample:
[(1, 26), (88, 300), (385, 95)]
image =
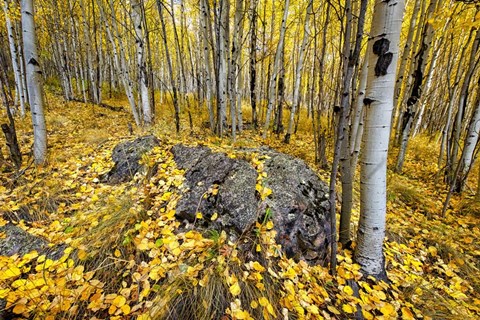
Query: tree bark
[(141, 62), (276, 69), (418, 84), (298, 73), (170, 68), (34, 83), (15, 57), (382, 63)]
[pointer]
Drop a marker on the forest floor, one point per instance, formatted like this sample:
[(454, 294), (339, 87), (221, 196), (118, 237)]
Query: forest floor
[(122, 261)]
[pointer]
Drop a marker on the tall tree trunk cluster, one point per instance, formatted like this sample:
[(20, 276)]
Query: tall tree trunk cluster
[(270, 66)]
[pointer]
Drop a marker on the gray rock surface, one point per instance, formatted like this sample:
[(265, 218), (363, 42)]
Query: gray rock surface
[(235, 203), (126, 156), (299, 203), (18, 241), (300, 206)]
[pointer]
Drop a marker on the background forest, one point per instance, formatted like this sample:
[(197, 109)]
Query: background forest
[(380, 98)]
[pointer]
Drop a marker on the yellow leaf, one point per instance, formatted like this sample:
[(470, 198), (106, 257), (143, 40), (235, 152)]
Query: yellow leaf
[(214, 216), (290, 274), (254, 304), (333, 310), (82, 255), (4, 293), (270, 309), (235, 289), (119, 301), (19, 308), (199, 215), (387, 309), (269, 225), (348, 290), (117, 253), (257, 266), (11, 272), (407, 314), (367, 315), (263, 301), (348, 308), (313, 309), (240, 314), (126, 309), (142, 246), (112, 309)]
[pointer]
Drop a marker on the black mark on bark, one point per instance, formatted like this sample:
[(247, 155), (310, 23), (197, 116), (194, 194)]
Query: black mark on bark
[(380, 48)]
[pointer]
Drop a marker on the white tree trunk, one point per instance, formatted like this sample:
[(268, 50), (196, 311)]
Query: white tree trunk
[(471, 140), (89, 49), (234, 73), (141, 64), (120, 64), (276, 69), (15, 62), (382, 63), (34, 82), (204, 22), (298, 72), (222, 50)]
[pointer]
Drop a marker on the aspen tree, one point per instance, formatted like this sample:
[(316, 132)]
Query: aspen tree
[(14, 52), (205, 26), (137, 18), (418, 83), (170, 68), (276, 69), (253, 61), (34, 82), (382, 63), (298, 74)]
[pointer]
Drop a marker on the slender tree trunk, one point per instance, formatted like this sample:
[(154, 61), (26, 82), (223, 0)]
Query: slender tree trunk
[(234, 73), (205, 22), (34, 83), (222, 58), (382, 63), (170, 68), (470, 144), (253, 61), (120, 61), (89, 52), (342, 144), (348, 170), (141, 62), (407, 50), (9, 128), (15, 57), (276, 68), (444, 145), (457, 129), (298, 73), (418, 84)]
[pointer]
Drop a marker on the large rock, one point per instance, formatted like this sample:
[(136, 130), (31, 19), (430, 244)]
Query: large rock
[(299, 202), (15, 240), (18, 241), (235, 203), (126, 156)]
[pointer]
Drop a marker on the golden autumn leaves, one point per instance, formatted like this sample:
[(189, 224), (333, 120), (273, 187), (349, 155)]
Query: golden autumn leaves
[(123, 256)]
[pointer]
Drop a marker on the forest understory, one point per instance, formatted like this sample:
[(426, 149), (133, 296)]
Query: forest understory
[(124, 260)]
